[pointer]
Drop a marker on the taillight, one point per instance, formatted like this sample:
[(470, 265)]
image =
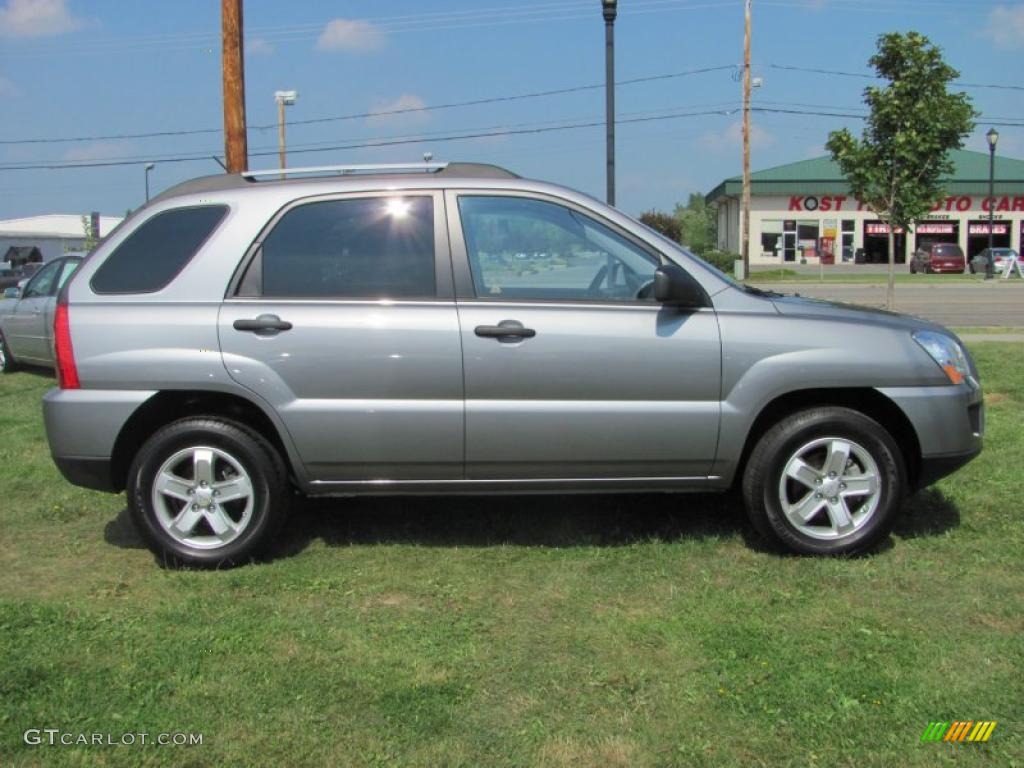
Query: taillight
[(67, 371)]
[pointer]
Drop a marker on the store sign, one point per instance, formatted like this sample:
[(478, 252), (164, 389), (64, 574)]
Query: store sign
[(926, 228), (961, 203), (877, 228), (982, 229)]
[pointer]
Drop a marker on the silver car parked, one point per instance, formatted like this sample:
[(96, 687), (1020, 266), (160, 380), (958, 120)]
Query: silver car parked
[(26, 315), (437, 329)]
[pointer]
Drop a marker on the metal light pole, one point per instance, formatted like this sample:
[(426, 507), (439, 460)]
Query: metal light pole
[(993, 139), (610, 10), (149, 167), (283, 99)]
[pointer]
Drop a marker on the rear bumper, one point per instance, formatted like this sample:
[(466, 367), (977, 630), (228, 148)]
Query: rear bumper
[(82, 427), (89, 473)]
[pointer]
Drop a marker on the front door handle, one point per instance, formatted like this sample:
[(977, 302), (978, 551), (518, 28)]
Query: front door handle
[(264, 325), (505, 330)]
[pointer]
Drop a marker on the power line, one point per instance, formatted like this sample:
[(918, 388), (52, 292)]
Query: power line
[(460, 136), (419, 23), (381, 143), (381, 113), (866, 76)]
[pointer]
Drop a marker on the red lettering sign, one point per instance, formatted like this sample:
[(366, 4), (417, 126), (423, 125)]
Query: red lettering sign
[(796, 203)]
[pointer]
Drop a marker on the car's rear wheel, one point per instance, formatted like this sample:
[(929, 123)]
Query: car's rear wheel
[(208, 492), (7, 364), (825, 481), (913, 269)]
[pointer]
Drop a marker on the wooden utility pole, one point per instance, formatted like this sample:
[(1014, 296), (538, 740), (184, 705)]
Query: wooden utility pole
[(745, 211), (280, 133), (235, 145)]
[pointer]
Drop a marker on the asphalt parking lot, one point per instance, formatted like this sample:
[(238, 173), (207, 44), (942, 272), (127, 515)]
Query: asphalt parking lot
[(992, 303)]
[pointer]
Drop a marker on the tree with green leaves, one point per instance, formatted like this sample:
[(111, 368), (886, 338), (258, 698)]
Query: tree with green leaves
[(664, 223), (90, 236), (699, 224), (899, 166)]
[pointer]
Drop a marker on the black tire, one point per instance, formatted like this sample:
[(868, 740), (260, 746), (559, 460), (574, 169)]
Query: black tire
[(257, 458), (913, 269), (7, 363), (971, 267), (782, 443)]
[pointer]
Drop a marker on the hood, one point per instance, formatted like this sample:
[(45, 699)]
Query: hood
[(798, 306)]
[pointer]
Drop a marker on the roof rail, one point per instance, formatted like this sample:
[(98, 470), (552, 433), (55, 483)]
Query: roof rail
[(349, 169)]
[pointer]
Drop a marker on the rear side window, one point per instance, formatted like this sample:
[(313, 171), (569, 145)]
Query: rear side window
[(378, 247), (157, 251)]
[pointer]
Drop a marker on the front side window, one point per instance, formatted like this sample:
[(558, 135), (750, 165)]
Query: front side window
[(42, 283), (521, 248), (151, 256), (376, 247)]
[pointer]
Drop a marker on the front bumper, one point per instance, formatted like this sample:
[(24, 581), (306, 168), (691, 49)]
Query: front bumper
[(949, 422)]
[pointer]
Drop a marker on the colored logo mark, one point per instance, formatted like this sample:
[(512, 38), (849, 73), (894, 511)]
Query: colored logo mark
[(959, 730)]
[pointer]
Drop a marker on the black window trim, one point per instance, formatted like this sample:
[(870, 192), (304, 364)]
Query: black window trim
[(443, 280), (225, 210), (466, 286)]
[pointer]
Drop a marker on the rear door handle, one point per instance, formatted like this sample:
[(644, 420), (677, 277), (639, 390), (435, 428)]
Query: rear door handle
[(264, 325), (506, 329)]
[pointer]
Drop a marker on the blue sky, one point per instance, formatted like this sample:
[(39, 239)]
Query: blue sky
[(71, 68)]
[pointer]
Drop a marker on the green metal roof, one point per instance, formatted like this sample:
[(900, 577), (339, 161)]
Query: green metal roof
[(820, 175)]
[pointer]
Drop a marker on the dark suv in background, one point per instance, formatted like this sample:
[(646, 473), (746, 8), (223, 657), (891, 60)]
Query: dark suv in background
[(938, 257)]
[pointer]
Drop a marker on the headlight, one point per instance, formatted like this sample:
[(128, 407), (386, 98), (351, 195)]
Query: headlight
[(946, 352)]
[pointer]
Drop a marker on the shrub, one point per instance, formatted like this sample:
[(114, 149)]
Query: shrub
[(724, 260)]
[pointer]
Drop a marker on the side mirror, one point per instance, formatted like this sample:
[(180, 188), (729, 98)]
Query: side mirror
[(674, 287), (14, 292)]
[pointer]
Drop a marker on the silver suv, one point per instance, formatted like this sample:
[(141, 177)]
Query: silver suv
[(454, 328)]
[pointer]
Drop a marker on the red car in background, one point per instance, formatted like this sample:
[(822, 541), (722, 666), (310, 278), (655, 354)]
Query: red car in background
[(938, 257)]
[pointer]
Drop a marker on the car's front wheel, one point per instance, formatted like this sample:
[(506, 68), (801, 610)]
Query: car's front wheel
[(207, 492), (7, 364), (825, 481)]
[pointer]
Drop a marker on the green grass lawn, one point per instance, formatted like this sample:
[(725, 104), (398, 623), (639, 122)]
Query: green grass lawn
[(869, 278), (606, 631)]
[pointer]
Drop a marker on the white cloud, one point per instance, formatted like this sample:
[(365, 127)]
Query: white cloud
[(98, 150), (258, 46), (37, 18), (1005, 26), (7, 88), (350, 35), (732, 137), (404, 108)]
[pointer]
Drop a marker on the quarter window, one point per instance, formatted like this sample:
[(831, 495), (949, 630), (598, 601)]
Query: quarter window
[(359, 248), (153, 255), (520, 248)]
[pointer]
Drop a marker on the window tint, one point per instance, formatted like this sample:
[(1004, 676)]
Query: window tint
[(157, 251), (948, 250), (364, 248), (531, 249), (42, 283)]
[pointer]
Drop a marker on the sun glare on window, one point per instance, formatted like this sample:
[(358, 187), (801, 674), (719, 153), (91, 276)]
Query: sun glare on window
[(397, 208)]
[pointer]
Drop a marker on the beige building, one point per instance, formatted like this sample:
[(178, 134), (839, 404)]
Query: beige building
[(805, 210)]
